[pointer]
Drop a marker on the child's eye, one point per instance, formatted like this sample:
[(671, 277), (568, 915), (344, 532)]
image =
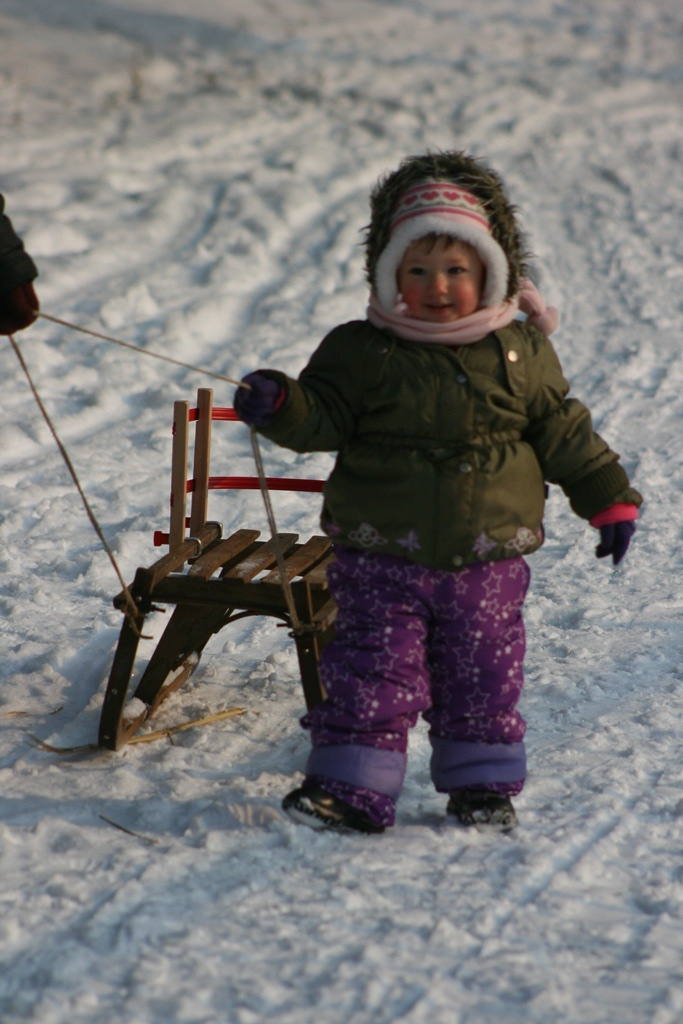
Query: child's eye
[(417, 271), (456, 270)]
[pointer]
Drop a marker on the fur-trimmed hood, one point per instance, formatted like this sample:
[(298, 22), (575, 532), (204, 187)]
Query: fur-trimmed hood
[(460, 169)]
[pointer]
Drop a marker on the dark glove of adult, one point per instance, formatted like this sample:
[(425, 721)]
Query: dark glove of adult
[(615, 539), (258, 404), (18, 308)]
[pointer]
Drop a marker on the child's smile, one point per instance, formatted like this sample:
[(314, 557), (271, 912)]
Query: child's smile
[(440, 280)]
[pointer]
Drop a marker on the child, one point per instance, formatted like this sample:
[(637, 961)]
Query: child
[(448, 416)]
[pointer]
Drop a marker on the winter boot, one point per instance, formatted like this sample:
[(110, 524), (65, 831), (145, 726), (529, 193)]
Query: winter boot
[(487, 811), (313, 806)]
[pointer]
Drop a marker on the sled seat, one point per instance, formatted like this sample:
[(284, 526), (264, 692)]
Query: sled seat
[(211, 581)]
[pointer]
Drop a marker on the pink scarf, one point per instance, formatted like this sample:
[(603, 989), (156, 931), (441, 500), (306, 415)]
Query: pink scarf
[(467, 329)]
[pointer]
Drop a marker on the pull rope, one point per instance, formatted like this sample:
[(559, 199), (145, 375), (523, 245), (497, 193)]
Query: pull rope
[(279, 557), (136, 348), (131, 607)]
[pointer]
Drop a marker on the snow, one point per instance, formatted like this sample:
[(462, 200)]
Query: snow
[(193, 179)]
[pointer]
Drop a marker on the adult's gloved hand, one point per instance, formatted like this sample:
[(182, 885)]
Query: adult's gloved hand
[(258, 404), (617, 526), (18, 308)]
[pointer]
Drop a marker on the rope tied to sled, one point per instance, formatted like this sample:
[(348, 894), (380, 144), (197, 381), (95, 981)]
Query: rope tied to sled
[(131, 608), (137, 348), (284, 581)]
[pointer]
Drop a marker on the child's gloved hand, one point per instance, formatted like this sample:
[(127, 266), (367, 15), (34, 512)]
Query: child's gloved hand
[(614, 540), (18, 308), (258, 404), (617, 526)]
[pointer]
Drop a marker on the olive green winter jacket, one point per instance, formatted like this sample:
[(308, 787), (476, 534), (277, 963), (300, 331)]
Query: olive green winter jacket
[(444, 452)]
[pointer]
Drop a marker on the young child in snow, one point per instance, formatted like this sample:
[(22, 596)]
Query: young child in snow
[(448, 415)]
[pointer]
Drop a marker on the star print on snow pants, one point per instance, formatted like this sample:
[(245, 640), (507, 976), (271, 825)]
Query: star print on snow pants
[(411, 640)]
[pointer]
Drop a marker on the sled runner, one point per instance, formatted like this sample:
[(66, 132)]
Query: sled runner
[(224, 581)]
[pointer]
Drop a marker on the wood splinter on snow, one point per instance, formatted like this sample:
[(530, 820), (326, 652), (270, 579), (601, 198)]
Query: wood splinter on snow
[(149, 737), (28, 714), (129, 832)]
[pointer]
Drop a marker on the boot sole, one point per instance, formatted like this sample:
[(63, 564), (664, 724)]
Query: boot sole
[(302, 810)]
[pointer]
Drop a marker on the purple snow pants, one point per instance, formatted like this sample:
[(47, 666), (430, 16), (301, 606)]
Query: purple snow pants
[(411, 640)]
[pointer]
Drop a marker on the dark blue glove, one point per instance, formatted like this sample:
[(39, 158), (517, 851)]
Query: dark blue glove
[(615, 539), (258, 404)]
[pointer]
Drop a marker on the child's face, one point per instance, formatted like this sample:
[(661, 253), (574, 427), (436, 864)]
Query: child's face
[(440, 280)]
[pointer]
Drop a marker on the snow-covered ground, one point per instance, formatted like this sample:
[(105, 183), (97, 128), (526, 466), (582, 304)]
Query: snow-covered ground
[(192, 178)]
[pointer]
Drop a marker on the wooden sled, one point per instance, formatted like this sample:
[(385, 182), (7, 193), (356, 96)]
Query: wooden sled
[(224, 582)]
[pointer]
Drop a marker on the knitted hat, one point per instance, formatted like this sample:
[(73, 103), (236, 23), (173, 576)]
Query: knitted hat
[(441, 208), (448, 193)]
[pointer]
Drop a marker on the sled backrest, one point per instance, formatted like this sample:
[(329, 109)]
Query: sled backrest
[(202, 416)]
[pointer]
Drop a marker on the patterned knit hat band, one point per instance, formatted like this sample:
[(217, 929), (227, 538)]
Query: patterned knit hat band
[(441, 199), (441, 208)]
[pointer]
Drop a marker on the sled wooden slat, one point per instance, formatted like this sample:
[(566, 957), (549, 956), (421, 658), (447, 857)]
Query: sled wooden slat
[(210, 581), (225, 551), (263, 558), (298, 562), (316, 579), (181, 440), (202, 449), (145, 579)]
